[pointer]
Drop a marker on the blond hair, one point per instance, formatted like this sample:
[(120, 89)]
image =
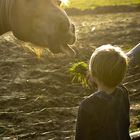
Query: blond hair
[(108, 64)]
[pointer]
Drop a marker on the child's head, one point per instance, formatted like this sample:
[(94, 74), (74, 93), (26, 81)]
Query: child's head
[(108, 64)]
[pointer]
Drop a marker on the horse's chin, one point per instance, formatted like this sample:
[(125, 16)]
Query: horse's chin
[(54, 47), (62, 46), (65, 48)]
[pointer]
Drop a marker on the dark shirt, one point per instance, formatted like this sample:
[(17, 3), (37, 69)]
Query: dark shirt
[(104, 117)]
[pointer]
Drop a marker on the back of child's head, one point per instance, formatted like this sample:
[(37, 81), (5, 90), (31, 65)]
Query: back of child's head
[(108, 64)]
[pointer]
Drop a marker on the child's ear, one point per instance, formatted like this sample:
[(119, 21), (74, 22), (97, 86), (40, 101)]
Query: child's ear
[(91, 82)]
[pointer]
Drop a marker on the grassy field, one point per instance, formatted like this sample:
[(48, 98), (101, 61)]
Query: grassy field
[(84, 4)]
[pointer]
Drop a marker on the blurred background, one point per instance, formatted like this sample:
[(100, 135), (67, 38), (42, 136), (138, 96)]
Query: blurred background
[(91, 4)]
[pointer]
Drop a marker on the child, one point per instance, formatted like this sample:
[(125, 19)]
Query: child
[(105, 114)]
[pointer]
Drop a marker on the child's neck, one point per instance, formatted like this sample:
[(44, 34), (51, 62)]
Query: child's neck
[(106, 89)]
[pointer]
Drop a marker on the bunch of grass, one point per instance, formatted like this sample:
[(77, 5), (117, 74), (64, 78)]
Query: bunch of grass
[(79, 73)]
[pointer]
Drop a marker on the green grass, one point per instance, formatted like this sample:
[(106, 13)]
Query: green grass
[(90, 4), (78, 72)]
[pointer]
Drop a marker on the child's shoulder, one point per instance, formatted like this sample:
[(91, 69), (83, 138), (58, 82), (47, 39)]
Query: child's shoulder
[(94, 103), (94, 99), (101, 97), (94, 96), (98, 96), (124, 92)]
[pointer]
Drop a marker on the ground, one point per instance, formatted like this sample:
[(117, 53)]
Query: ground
[(38, 100)]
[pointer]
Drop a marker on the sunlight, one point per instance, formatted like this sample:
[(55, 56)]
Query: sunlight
[(65, 2), (35, 49)]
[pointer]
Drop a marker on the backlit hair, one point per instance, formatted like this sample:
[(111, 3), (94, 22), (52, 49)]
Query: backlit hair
[(108, 64)]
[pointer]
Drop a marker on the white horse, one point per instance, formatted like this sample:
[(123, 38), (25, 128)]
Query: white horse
[(134, 55), (41, 22)]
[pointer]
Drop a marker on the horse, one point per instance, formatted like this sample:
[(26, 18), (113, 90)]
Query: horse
[(134, 55), (41, 22)]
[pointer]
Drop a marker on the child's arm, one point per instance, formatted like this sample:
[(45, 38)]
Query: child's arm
[(88, 120), (127, 107)]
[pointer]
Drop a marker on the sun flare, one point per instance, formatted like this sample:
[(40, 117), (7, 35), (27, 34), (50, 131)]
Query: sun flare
[(65, 2)]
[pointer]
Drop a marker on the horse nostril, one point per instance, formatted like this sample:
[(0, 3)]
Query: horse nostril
[(71, 35), (73, 28), (71, 38), (63, 23), (67, 33)]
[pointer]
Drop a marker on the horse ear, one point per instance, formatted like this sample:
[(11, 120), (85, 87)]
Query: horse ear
[(58, 2)]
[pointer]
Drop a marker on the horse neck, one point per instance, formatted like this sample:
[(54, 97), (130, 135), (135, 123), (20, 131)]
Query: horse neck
[(5, 15)]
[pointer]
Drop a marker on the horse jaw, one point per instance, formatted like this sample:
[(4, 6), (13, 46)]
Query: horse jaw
[(66, 49)]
